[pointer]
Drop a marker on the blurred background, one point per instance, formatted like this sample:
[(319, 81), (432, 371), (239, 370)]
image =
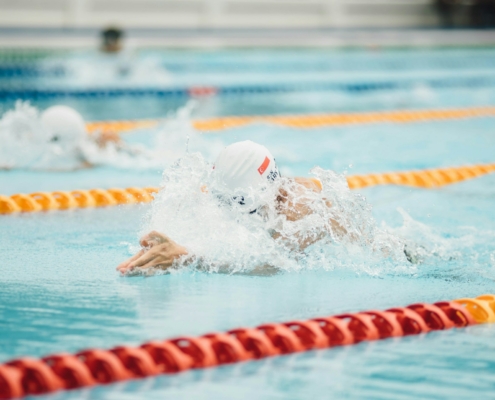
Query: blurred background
[(148, 59), (75, 23), (54, 49)]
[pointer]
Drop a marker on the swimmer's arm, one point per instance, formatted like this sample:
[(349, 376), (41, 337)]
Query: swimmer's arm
[(296, 211), (309, 183), (159, 251), (315, 185), (103, 138), (300, 243)]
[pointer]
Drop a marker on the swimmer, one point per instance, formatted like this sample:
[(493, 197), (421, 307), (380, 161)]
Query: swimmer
[(64, 124), (72, 147), (239, 168), (56, 139), (118, 60), (111, 40), (66, 132)]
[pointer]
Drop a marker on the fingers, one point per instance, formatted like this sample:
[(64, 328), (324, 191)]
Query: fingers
[(156, 263), (152, 239), (159, 237), (145, 241), (124, 265), (148, 241), (159, 252), (145, 259), (158, 257)]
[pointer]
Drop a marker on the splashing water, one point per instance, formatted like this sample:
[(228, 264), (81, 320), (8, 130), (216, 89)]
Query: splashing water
[(127, 68), (338, 229), (27, 144), (176, 136), (460, 253), (225, 237), (22, 137), (170, 139)]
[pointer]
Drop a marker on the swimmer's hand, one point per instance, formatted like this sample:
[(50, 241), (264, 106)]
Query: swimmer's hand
[(158, 251)]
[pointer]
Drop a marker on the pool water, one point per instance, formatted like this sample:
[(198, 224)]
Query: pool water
[(420, 78), (60, 292)]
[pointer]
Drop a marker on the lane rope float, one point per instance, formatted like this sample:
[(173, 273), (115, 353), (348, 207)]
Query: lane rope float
[(120, 126), (429, 178), (62, 200), (181, 92), (306, 121), (63, 371)]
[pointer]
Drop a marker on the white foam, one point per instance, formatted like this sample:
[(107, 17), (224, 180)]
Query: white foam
[(22, 137), (226, 238), (27, 144), (451, 253), (124, 69)]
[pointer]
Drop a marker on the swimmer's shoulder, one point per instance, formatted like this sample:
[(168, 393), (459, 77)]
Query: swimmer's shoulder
[(309, 183), (312, 184)]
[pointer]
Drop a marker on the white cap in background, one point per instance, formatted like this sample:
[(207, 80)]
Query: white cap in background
[(64, 125)]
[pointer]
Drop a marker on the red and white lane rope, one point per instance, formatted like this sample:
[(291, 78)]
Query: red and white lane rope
[(64, 371)]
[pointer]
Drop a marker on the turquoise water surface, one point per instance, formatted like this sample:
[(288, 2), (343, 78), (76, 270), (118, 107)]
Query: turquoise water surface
[(59, 290)]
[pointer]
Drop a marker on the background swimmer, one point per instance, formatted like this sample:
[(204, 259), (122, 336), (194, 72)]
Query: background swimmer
[(242, 171), (56, 139), (111, 40), (66, 131)]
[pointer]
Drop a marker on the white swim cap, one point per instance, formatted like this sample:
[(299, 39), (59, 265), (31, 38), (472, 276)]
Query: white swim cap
[(245, 165), (64, 125)]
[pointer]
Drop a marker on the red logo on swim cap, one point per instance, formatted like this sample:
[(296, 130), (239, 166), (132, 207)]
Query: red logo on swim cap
[(264, 166)]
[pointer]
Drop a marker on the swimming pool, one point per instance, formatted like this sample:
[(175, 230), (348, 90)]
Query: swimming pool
[(310, 80), (60, 291)]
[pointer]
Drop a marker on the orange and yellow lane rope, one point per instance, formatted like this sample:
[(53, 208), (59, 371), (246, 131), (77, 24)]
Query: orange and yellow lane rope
[(61, 200), (307, 121)]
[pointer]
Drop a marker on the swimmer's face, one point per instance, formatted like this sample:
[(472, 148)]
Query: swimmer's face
[(112, 46), (229, 200), (112, 41), (254, 201)]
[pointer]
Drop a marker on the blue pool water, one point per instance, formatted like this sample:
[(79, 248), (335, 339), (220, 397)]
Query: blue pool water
[(60, 292), (419, 78)]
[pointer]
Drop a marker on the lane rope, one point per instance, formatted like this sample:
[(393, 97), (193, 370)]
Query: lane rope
[(62, 200), (429, 178), (63, 371), (275, 88), (307, 121)]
